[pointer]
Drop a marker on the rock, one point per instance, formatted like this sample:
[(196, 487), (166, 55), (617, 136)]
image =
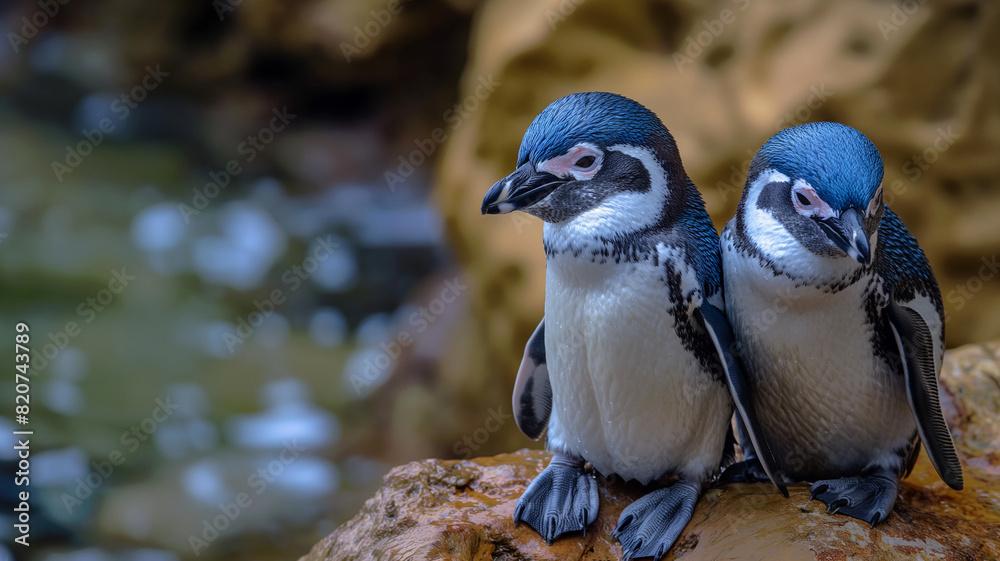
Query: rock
[(462, 509)]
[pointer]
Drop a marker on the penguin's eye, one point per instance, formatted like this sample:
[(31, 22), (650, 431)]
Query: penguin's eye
[(808, 203), (580, 163)]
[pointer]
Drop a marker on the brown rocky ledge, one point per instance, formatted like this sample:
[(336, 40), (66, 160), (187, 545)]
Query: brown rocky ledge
[(462, 510)]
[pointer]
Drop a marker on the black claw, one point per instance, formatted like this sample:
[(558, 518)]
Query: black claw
[(624, 521), (869, 498)]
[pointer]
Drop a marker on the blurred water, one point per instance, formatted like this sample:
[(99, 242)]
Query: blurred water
[(8, 440), (187, 432), (89, 554), (60, 467), (336, 272), (328, 327), (188, 437), (250, 244), (94, 554), (63, 397), (158, 228), (417, 225), (63, 239), (374, 329), (205, 481), (61, 392), (310, 477), (7, 220), (289, 416)]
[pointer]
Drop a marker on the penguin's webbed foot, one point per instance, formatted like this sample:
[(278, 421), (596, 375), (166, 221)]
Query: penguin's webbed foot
[(869, 497), (562, 499), (651, 525), (747, 471)]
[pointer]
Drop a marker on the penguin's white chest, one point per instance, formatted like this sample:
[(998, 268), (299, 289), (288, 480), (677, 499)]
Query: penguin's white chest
[(627, 396), (826, 403)]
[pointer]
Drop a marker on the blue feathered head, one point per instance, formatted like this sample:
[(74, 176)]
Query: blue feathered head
[(601, 118), (839, 162)]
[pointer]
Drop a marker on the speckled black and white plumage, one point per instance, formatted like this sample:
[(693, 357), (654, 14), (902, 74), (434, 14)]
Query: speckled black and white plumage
[(686, 231), (843, 346), (901, 273), (633, 379)]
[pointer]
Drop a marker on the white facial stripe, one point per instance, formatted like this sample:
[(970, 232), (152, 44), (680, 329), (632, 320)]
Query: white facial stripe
[(622, 212), (772, 237), (779, 245)]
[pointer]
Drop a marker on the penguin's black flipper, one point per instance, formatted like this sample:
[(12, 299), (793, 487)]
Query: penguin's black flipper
[(916, 348), (532, 390), (715, 323)]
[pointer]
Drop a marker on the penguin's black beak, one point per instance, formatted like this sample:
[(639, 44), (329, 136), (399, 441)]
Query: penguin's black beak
[(849, 234), (520, 189)]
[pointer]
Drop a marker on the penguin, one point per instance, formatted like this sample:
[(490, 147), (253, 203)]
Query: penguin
[(630, 372), (839, 323)]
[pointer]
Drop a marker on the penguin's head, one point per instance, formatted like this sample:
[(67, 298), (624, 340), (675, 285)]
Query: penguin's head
[(594, 155), (815, 187)]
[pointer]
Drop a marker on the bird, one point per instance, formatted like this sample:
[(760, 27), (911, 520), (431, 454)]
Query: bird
[(838, 321), (630, 371)]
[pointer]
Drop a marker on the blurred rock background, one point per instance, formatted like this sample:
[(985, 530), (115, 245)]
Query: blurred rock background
[(295, 189)]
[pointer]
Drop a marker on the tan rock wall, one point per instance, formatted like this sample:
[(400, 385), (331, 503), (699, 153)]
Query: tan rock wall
[(924, 86)]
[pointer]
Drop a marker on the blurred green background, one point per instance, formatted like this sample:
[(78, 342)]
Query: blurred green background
[(246, 233)]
